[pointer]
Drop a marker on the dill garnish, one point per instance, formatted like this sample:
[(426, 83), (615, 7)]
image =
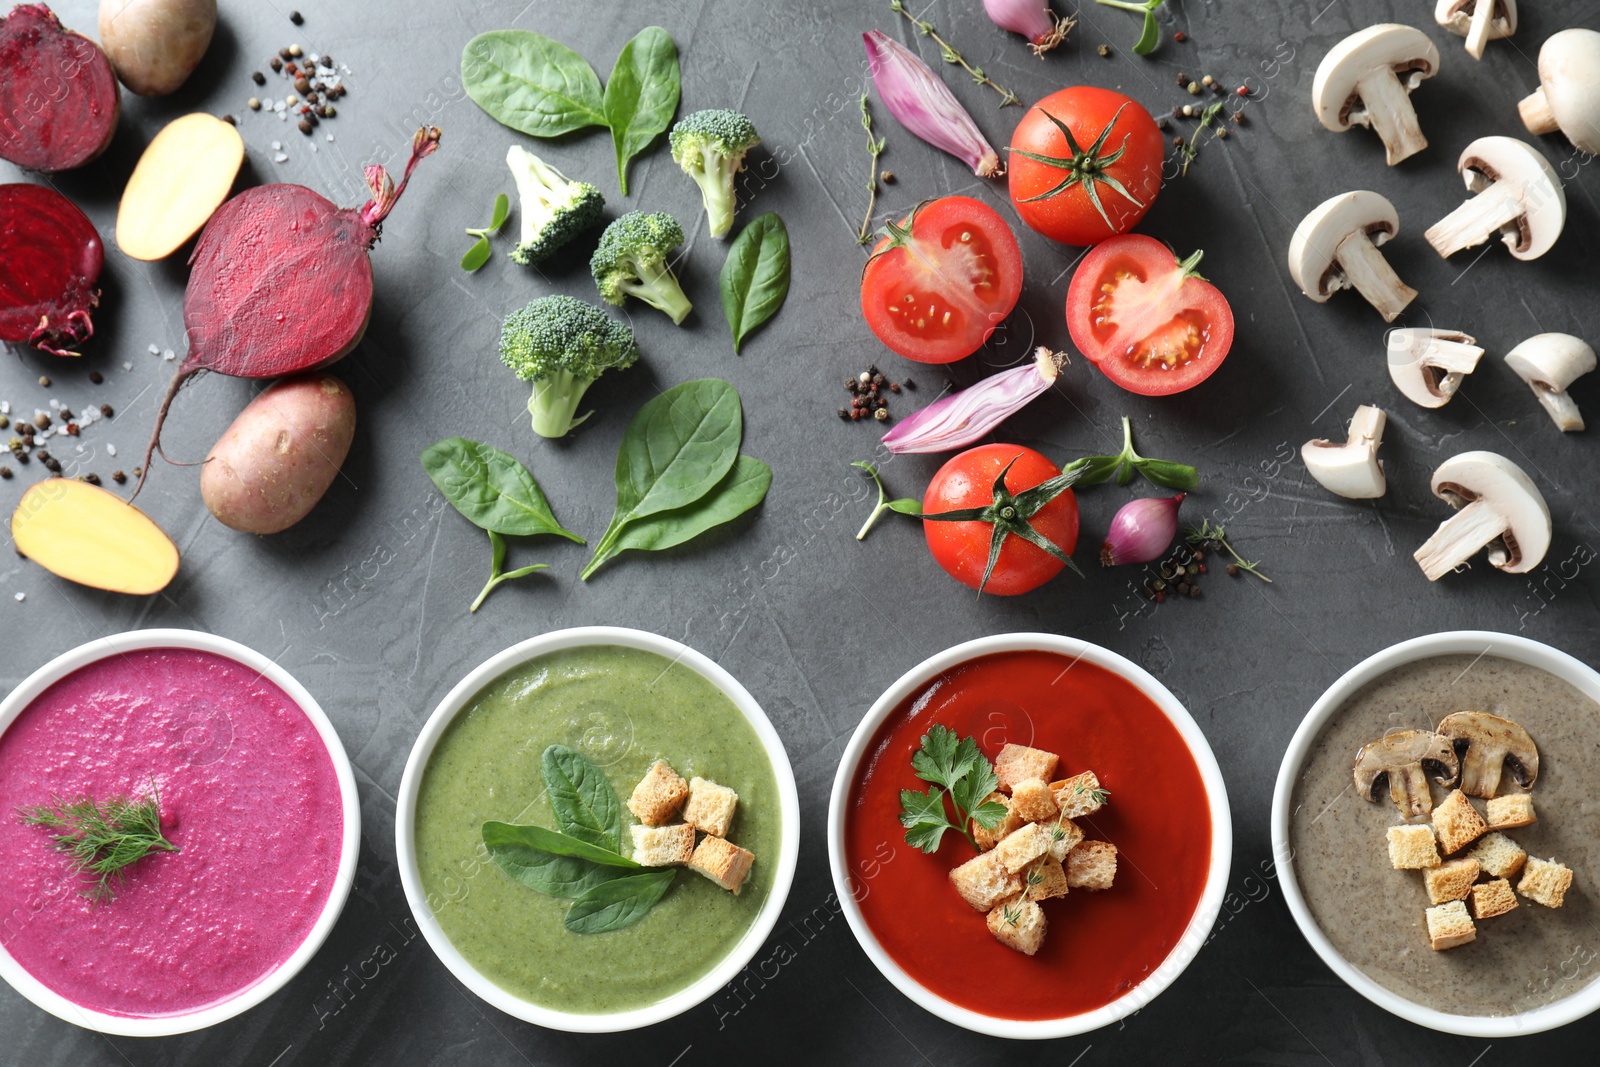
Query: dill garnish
[(102, 840)]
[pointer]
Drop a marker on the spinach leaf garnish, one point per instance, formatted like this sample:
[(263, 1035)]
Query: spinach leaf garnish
[(641, 95), (755, 276), (618, 903), (531, 83), (585, 804)]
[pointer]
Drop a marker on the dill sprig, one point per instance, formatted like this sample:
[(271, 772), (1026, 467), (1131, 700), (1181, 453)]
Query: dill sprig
[(950, 55), (102, 839)]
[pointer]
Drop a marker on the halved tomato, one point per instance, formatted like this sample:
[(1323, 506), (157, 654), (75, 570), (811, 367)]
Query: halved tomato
[(944, 278), (1151, 323)]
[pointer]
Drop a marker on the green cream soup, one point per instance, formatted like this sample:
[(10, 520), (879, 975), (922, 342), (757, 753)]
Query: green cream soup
[(623, 708)]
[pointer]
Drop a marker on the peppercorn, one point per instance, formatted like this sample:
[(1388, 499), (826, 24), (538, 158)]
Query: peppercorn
[(254, 104), (5, 472), (1243, 90), (882, 414), (1239, 119), (328, 111), (296, 18), (1177, 142), (1104, 51), (22, 457), (92, 478), (277, 65), (851, 384), (259, 78), (1233, 570), (230, 120), (105, 409), (43, 455), (65, 413), (4, 422), (304, 127), (52, 465), (284, 53), (137, 471), (1183, 79), (26, 430), (72, 429), (879, 379), (312, 97), (1208, 81), (326, 61), (302, 85), (888, 177), (44, 381), (1222, 133), (118, 477), (844, 413), (854, 415), (894, 387), (1193, 88), (1194, 592), (1180, 37), (42, 421), (1161, 598), (1183, 588), (1202, 568), (295, 51), (1188, 111), (291, 69), (1177, 111)]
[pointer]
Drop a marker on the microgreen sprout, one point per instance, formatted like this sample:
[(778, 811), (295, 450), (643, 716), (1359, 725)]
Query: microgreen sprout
[(903, 506), (1092, 470), (1151, 34), (478, 254)]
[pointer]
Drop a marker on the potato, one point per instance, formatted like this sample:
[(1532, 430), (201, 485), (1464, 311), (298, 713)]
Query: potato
[(154, 45), (86, 535), (280, 455), (182, 178)]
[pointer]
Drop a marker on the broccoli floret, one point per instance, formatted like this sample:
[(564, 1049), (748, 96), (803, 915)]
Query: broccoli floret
[(632, 261), (562, 345), (554, 208), (710, 147)]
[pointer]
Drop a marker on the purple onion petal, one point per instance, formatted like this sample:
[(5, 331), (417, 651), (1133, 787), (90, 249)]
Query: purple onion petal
[(964, 417), (924, 105)]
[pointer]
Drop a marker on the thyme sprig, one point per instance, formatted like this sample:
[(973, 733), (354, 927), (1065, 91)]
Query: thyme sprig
[(102, 840), (950, 55), (1209, 532), (1191, 148), (875, 146)]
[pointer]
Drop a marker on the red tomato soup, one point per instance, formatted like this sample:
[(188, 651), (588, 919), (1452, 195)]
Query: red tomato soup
[(1099, 945)]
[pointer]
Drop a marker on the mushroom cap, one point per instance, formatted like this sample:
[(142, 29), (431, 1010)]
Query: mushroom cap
[(1316, 239), (1472, 476), (1487, 743), (1350, 468), (1555, 359), (1405, 50), (1569, 72), (1456, 16), (1490, 160), (1426, 373), (1399, 758)]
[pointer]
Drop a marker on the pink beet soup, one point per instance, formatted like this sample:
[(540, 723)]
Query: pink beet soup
[(247, 792)]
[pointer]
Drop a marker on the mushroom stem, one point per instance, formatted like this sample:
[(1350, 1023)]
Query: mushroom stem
[(1536, 114), (1370, 275), (1459, 538), (1478, 27), (1476, 220), (1389, 112)]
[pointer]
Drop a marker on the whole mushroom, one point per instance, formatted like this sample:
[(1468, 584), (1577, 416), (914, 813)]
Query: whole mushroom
[(1568, 97), (1487, 746), (1404, 760), (1336, 247), (1499, 509), (1427, 365), (1517, 195), (1479, 21), (1350, 468), (1366, 79), (1550, 363)]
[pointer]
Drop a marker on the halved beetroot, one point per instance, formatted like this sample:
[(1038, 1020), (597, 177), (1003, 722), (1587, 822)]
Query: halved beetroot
[(50, 260), (59, 99)]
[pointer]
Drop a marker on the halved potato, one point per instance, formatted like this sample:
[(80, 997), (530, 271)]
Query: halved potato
[(182, 178), (84, 534)]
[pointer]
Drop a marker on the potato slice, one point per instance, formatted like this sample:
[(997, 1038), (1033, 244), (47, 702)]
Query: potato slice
[(182, 178), (84, 534)]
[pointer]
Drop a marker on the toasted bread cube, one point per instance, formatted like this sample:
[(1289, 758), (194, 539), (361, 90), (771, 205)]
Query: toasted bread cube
[(983, 881), (1545, 882), (987, 839), (659, 795), (1079, 795), (1493, 898), (1450, 881), (662, 846), (710, 808), (1018, 924), (1045, 879), (723, 862), (1498, 855), (1018, 763), (1411, 848), (1023, 845), (1064, 837), (1510, 812), (1449, 925), (1031, 800), (1092, 865), (1457, 823)]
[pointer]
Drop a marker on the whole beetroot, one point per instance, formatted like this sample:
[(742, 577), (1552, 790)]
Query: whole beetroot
[(59, 99), (50, 260)]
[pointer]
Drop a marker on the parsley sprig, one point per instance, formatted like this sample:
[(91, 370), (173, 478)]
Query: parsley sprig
[(1092, 470), (958, 771)]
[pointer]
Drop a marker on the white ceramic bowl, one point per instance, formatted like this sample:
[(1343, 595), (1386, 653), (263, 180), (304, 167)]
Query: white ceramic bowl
[(1205, 913), (406, 821), (1455, 642), (165, 1025)]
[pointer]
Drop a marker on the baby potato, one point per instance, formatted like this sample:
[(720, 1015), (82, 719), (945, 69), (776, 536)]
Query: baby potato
[(273, 464), (154, 45)]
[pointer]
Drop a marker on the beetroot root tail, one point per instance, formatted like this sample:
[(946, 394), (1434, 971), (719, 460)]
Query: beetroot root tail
[(178, 381)]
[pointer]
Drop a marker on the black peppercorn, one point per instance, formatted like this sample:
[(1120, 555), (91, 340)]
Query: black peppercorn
[(96, 377), (119, 477), (296, 18), (844, 413), (304, 127), (105, 409), (92, 479), (259, 78)]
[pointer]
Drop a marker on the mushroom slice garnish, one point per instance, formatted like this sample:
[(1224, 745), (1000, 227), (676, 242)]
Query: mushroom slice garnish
[(1367, 78), (1336, 247), (1479, 21), (1500, 509), (1487, 745), (1550, 363), (1517, 195), (1568, 97), (1351, 469), (1427, 365), (1406, 759)]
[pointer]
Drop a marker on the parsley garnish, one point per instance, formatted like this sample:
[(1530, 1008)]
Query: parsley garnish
[(957, 770)]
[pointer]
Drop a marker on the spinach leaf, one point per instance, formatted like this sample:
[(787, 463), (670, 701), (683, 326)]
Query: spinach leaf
[(641, 95), (755, 276), (533, 84), (561, 845), (518, 853), (491, 489), (586, 806), (741, 489), (617, 903)]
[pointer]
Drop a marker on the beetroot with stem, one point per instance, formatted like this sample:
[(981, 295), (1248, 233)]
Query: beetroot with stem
[(50, 260), (59, 99), (280, 282)]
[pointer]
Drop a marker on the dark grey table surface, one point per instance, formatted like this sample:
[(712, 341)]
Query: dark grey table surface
[(365, 602)]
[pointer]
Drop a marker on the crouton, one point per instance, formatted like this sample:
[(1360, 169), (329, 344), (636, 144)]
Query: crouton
[(723, 862), (1092, 865), (1018, 924), (1411, 848), (987, 839), (1018, 763), (659, 795), (662, 846), (1498, 855), (1450, 881), (1493, 898), (1031, 800), (1079, 795), (1023, 845), (983, 881), (1545, 882), (1045, 879), (1457, 823), (710, 807), (1510, 812), (1064, 837), (1449, 925)]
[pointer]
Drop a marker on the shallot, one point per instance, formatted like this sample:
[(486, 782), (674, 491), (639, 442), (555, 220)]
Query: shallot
[(1141, 531), (925, 106), (59, 100), (1033, 19), (961, 418), (50, 260)]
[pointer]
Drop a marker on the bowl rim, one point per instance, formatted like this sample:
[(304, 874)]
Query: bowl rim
[(20, 979), (1525, 650), (405, 825), (1206, 910)]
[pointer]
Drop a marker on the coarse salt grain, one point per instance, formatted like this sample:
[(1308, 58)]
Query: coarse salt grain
[(277, 146), (127, 365), (330, 136), (169, 354), (20, 597), (155, 350), (281, 157), (111, 450)]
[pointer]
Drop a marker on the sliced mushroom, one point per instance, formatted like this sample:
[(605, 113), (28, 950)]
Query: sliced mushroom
[(1336, 247), (1517, 194), (1568, 97), (1550, 363), (1479, 21), (1427, 365), (1500, 509), (1487, 745), (1351, 469), (1366, 79), (1405, 760)]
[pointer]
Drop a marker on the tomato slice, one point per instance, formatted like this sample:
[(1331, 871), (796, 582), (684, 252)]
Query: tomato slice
[(945, 278), (1152, 324)]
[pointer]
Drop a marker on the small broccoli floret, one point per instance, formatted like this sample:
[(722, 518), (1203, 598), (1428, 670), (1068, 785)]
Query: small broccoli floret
[(710, 147), (554, 208), (562, 345), (632, 261)]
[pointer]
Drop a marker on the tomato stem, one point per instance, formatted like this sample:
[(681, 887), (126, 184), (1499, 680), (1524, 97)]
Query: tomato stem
[(1009, 515), (1085, 167)]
